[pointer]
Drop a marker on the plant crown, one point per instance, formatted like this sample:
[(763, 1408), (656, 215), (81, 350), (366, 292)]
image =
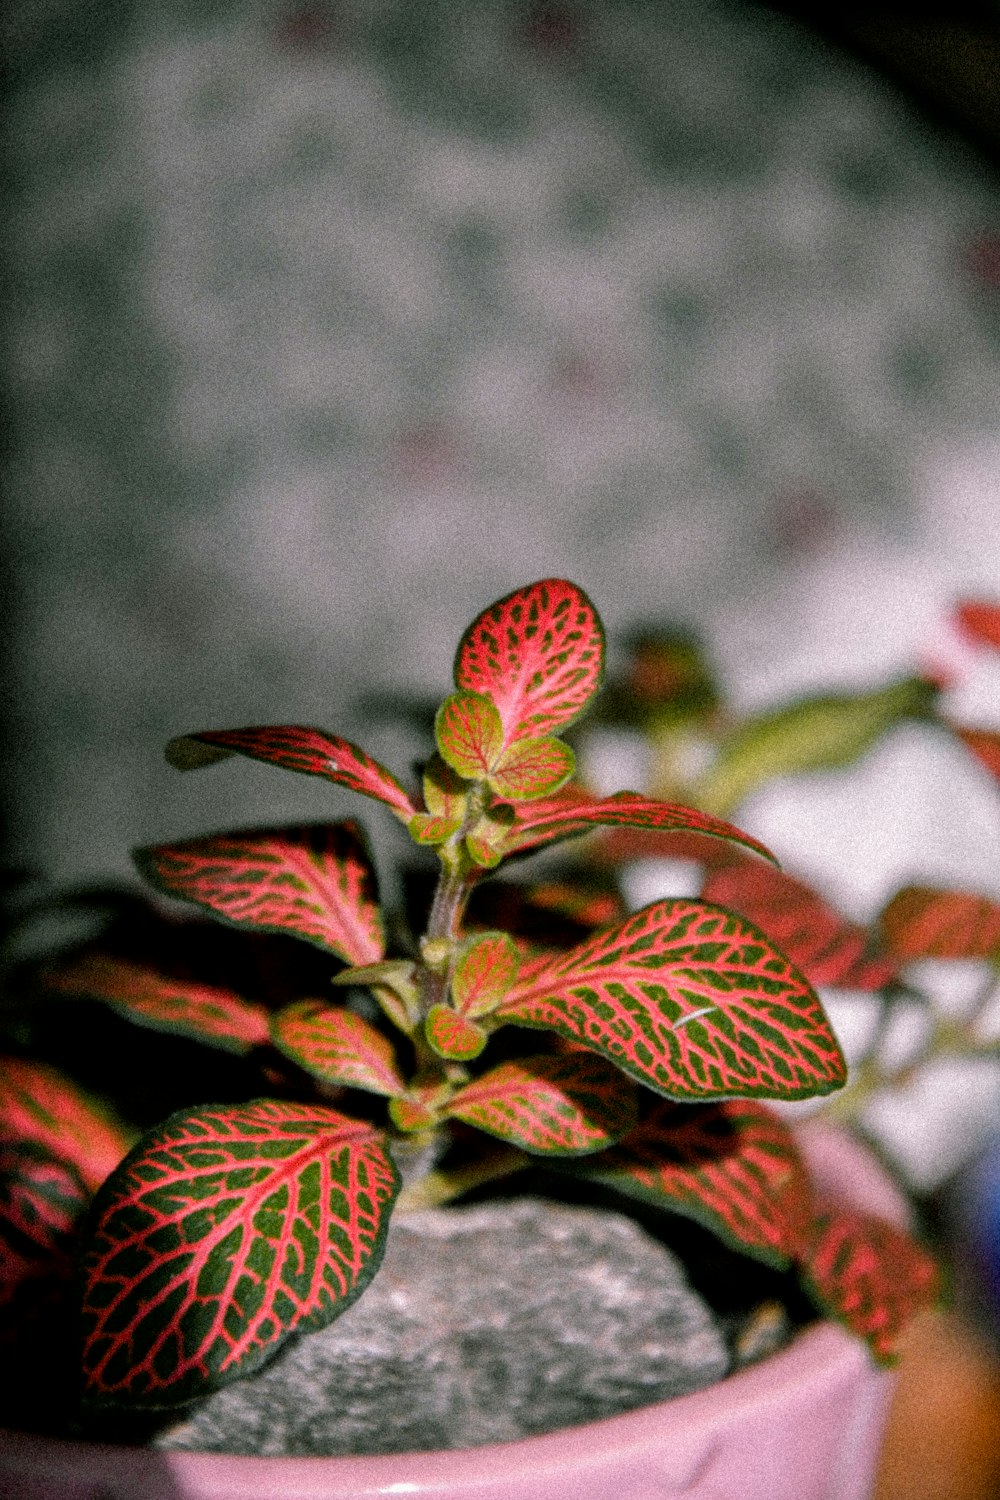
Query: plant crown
[(650, 1042)]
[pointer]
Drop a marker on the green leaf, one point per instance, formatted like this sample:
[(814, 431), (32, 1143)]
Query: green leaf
[(394, 985), (297, 748), (411, 1115), (446, 797), (689, 999), (337, 1046), (311, 880), (530, 769), (565, 1105), (538, 654), (469, 734), (487, 839), (923, 922), (733, 1167), (224, 1231), (814, 734), (429, 831), (216, 1016), (486, 968), (870, 1276), (452, 1035)]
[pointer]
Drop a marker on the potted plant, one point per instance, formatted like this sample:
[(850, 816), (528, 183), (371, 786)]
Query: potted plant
[(641, 1051)]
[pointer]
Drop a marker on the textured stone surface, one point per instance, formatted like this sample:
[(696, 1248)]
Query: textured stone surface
[(484, 1324)]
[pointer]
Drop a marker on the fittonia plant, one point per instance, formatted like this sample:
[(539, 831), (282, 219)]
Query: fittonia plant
[(659, 1037)]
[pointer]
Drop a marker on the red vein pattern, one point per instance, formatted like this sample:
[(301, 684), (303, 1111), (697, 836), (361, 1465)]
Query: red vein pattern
[(734, 1167), (870, 1276), (985, 746), (824, 945), (452, 1035), (582, 904), (691, 1000), (980, 621), (225, 1230), (538, 653), (485, 971), (40, 1107), (296, 747), (41, 1200), (337, 1046), (152, 999), (469, 734), (551, 1105), (572, 812), (445, 793), (533, 768), (921, 922), (311, 880)]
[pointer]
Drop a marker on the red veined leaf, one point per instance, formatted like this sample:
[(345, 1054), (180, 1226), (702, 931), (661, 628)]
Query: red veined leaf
[(337, 1046), (312, 880), (152, 999), (469, 734), (870, 1276), (394, 985), (824, 945), (583, 904), (486, 841), (420, 1107), (41, 1108), (225, 1230), (689, 999), (41, 1201), (980, 621), (453, 1036), (551, 1106), (733, 1166), (446, 799), (297, 748), (411, 1115), (567, 815), (538, 653), (921, 922), (485, 971), (446, 795), (985, 746), (429, 830), (532, 768)]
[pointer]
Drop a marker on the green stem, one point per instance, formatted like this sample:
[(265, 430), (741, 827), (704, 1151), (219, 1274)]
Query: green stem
[(947, 1038), (438, 1187)]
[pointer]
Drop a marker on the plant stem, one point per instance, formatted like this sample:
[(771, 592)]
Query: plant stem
[(437, 1187), (946, 1038)]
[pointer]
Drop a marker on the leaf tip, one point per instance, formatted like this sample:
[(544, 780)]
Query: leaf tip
[(188, 752)]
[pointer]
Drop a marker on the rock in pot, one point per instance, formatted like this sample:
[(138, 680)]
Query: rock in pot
[(485, 1324)]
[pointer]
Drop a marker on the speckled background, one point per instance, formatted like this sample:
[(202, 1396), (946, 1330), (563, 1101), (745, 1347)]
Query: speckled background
[(333, 322)]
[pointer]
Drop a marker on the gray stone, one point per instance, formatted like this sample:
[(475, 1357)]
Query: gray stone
[(484, 1324)]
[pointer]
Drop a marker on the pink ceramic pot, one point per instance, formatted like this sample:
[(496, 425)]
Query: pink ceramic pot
[(804, 1425)]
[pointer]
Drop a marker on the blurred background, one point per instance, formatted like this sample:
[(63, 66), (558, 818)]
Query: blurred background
[(330, 322)]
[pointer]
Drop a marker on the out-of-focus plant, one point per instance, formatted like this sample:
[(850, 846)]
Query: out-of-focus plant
[(710, 757)]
